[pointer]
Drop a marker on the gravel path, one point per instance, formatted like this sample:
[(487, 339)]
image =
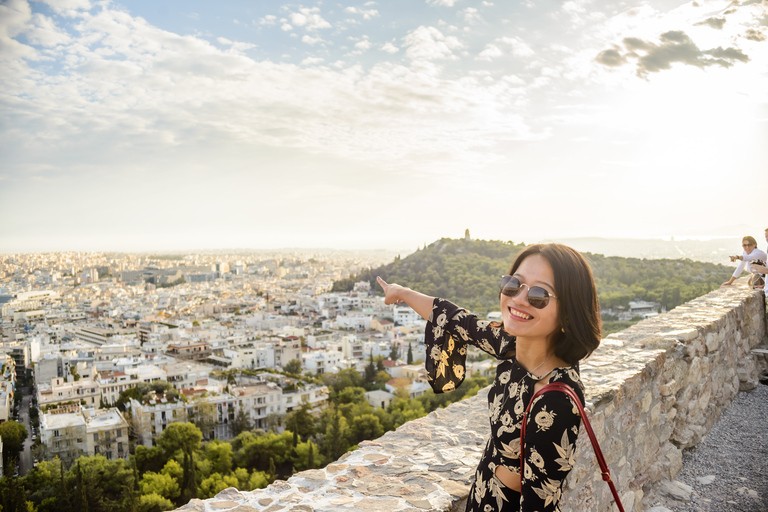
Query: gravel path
[(728, 470)]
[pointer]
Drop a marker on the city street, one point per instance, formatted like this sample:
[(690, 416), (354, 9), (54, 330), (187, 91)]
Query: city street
[(25, 457)]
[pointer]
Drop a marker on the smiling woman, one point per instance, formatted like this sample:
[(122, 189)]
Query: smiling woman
[(550, 321)]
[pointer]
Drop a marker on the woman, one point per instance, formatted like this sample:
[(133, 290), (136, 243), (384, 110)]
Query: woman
[(751, 254), (550, 321)]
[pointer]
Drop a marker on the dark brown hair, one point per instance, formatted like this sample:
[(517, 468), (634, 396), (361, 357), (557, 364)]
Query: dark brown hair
[(579, 310)]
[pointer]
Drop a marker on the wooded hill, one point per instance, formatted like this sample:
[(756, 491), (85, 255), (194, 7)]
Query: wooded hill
[(467, 272)]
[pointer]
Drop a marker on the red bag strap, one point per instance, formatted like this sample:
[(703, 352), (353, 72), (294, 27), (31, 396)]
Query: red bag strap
[(565, 388)]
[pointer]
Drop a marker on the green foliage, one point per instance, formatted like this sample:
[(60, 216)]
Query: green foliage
[(293, 367), (154, 503), (467, 271), (180, 436), (13, 435), (149, 458), (162, 484), (301, 422), (219, 455)]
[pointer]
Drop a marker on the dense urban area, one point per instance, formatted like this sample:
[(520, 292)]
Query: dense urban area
[(137, 382), (192, 374)]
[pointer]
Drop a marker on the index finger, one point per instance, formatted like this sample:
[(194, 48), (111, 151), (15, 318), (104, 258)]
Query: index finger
[(381, 282)]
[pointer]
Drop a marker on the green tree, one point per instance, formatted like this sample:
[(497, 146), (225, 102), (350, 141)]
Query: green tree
[(370, 370), (162, 484), (394, 353), (180, 436), (241, 423), (366, 427), (154, 503), (13, 435), (219, 455), (409, 359), (293, 367), (301, 422)]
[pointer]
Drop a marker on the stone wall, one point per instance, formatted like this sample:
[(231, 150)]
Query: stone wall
[(652, 391)]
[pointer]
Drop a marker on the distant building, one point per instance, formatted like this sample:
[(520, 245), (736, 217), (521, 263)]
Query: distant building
[(69, 395), (259, 400), (84, 431), (379, 399), (152, 416)]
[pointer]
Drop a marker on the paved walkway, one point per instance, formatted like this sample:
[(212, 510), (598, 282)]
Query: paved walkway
[(728, 470)]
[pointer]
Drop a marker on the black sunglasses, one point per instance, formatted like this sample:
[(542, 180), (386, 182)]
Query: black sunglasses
[(538, 297)]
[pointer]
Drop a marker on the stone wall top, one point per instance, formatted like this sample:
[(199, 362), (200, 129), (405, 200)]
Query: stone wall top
[(652, 390)]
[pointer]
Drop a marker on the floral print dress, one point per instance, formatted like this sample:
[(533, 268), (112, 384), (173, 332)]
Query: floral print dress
[(553, 422)]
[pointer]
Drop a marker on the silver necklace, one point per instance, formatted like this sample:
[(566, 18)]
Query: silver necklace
[(542, 364)]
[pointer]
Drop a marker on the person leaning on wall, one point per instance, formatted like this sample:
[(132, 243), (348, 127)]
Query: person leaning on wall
[(763, 269), (751, 253)]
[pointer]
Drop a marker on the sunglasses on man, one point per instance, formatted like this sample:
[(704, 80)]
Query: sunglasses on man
[(538, 297)]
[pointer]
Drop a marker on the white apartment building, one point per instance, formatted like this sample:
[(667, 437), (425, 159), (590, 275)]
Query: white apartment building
[(316, 397), (213, 414), (255, 355), (84, 392), (152, 417), (111, 384), (404, 315), (186, 375), (64, 433), (322, 361), (287, 349), (49, 366), (349, 346), (106, 433), (379, 399), (350, 320), (259, 400), (7, 387)]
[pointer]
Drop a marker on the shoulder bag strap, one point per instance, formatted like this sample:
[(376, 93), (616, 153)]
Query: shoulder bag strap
[(565, 388)]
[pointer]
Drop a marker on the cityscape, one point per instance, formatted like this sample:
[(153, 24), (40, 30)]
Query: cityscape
[(88, 326)]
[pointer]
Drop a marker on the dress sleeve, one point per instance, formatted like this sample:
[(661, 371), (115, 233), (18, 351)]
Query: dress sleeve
[(449, 330), (550, 443)]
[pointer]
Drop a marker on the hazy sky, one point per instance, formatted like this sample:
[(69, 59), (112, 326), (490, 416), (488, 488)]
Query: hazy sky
[(149, 124)]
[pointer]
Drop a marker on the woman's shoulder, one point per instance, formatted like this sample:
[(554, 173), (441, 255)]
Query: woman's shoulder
[(570, 376)]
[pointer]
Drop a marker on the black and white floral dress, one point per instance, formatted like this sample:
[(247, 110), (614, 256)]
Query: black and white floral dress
[(553, 422)]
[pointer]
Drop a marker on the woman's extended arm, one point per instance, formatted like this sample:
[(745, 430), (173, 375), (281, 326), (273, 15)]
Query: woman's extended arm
[(394, 293)]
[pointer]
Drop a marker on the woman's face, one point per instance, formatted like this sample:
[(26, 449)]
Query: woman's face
[(519, 317), (748, 247)]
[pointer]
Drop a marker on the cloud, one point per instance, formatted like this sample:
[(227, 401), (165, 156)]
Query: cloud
[(390, 48), (611, 58), (471, 15), (363, 45), (367, 14), (491, 51), (268, 20), (68, 5), (286, 27), (754, 35), (443, 3), (716, 23), (518, 46), (309, 61), (308, 17), (675, 47), (311, 40), (428, 43), (236, 46)]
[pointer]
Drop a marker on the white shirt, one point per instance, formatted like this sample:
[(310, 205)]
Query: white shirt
[(746, 260)]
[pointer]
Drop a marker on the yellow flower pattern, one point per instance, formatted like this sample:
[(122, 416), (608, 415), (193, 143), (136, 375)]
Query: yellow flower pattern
[(553, 423)]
